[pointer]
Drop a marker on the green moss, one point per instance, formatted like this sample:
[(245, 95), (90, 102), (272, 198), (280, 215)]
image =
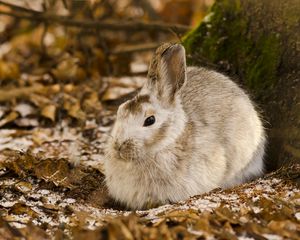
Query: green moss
[(224, 40), (262, 67)]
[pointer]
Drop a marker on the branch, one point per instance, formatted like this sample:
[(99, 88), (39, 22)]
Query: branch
[(103, 25), (135, 48), (8, 94)]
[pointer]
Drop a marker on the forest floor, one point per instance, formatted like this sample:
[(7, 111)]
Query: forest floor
[(59, 91), (51, 185)]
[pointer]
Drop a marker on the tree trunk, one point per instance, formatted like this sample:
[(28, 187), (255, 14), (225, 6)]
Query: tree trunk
[(258, 42)]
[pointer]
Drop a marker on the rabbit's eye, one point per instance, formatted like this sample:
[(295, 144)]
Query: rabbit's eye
[(149, 121)]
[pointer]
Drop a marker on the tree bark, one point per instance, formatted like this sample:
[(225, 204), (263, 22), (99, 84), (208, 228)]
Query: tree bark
[(257, 42)]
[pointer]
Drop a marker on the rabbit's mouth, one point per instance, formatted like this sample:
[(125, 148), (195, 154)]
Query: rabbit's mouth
[(127, 155), (127, 150)]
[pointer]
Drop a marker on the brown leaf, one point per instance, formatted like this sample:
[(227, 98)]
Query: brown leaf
[(118, 230), (56, 171), (9, 94), (7, 232), (49, 111), (21, 208), (68, 88), (9, 70), (285, 228), (9, 118), (33, 232), (116, 93), (225, 214), (50, 206), (203, 225), (181, 215), (91, 103), (69, 70), (72, 106), (256, 230), (19, 162), (39, 101), (23, 187)]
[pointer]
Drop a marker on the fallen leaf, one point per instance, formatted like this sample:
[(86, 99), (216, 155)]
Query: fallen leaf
[(23, 187), (91, 103), (69, 70), (9, 70), (49, 111), (39, 100), (9, 118), (285, 228), (21, 208), (72, 106)]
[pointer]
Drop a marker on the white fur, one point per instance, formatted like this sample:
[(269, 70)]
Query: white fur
[(227, 138)]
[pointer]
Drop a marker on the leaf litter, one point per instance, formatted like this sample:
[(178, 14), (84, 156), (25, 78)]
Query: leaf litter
[(57, 107), (57, 197)]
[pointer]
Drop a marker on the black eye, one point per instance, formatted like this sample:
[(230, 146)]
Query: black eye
[(149, 121)]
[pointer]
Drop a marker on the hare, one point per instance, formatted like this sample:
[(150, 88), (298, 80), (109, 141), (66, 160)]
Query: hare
[(189, 130)]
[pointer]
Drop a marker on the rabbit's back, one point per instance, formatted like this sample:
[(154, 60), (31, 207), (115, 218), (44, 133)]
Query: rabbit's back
[(224, 114)]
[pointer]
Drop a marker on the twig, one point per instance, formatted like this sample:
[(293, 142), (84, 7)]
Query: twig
[(8, 94), (135, 48), (103, 25)]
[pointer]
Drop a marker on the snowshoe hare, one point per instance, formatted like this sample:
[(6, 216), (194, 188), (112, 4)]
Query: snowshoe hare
[(188, 131)]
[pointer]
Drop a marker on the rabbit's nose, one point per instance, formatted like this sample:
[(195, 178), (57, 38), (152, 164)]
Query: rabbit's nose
[(126, 150), (126, 145)]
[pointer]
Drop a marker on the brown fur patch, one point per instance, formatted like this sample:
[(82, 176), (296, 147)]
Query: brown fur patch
[(153, 71), (184, 146), (159, 134), (166, 74), (135, 105), (149, 113)]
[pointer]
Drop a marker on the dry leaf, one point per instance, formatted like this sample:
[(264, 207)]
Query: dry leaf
[(91, 103), (9, 70), (49, 111), (72, 106), (39, 100), (23, 187), (285, 228), (116, 93), (33, 232), (69, 70), (9, 118), (20, 208)]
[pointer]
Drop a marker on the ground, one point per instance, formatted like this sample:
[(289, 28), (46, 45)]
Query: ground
[(61, 82), (54, 187)]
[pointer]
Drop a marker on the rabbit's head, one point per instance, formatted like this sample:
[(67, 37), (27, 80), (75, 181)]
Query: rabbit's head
[(154, 118)]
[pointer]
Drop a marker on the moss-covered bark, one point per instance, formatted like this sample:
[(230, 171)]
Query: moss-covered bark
[(258, 41)]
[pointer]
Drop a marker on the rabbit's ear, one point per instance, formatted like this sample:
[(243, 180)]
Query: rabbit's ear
[(170, 71)]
